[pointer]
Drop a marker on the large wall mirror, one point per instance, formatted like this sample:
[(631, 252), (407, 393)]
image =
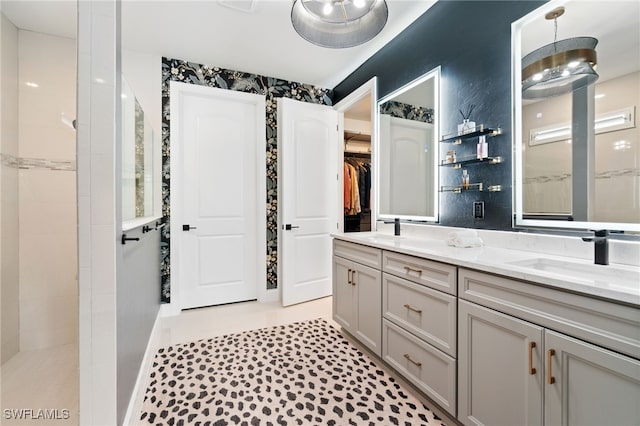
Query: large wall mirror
[(407, 152), (577, 149)]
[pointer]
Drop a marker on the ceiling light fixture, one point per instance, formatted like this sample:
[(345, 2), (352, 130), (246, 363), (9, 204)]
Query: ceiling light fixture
[(560, 67), (339, 23)]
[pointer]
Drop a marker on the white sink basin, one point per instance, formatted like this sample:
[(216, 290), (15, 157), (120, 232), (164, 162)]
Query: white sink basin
[(384, 238), (603, 275)]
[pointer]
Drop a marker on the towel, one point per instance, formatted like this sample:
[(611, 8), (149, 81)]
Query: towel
[(464, 238)]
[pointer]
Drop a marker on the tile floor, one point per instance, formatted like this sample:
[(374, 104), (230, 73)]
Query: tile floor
[(41, 379), (49, 378)]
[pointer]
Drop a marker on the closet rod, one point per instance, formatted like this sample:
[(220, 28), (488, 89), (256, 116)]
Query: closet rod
[(357, 155)]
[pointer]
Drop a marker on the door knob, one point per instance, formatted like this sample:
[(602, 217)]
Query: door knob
[(289, 227), (188, 227)]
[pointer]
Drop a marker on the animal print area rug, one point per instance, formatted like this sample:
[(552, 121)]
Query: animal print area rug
[(305, 373)]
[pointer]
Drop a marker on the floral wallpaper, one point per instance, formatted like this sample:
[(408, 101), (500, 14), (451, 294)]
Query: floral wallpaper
[(272, 88), (410, 112)]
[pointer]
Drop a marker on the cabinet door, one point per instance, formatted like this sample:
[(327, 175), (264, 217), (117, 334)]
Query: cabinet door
[(591, 385), (343, 302), (368, 292), (496, 385)]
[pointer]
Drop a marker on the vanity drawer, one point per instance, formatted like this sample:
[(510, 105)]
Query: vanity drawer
[(439, 276), (364, 255), (430, 370), (608, 324), (424, 312)]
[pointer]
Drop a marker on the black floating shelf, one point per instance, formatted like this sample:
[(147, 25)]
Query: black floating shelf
[(479, 187), (480, 130), (474, 160)]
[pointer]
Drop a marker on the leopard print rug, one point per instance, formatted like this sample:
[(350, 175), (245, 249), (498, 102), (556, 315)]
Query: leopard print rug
[(305, 373)]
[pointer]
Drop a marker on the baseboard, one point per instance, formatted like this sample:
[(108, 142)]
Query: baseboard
[(269, 296), (135, 403), (169, 310)]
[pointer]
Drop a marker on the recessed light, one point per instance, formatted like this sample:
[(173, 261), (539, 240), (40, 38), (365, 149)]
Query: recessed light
[(599, 96), (99, 80), (31, 84)]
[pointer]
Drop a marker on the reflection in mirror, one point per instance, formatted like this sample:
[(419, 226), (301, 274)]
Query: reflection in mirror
[(407, 154), (577, 153), (137, 158)]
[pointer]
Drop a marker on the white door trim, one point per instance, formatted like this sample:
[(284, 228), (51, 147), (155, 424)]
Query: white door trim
[(176, 199), (368, 88)]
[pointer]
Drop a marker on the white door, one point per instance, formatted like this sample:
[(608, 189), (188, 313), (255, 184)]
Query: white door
[(307, 147), (218, 138)]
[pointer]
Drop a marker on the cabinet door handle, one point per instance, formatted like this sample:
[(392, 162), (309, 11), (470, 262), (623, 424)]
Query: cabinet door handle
[(353, 277), (417, 271), (411, 308), (416, 363), (532, 370), (349, 277), (550, 379)]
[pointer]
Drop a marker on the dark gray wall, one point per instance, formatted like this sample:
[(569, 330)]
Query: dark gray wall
[(138, 302), (471, 41)]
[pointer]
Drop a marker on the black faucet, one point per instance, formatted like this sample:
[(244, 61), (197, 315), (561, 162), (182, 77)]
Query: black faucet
[(600, 246)]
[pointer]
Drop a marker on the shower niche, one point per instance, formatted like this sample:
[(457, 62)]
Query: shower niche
[(140, 163)]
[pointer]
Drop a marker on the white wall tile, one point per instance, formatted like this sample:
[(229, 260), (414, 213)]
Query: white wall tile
[(103, 239), (102, 36), (102, 190)]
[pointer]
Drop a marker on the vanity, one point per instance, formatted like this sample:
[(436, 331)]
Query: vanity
[(493, 335)]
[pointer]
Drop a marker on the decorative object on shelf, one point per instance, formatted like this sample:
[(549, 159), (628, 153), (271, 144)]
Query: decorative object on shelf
[(451, 157), (339, 23), (465, 179), (560, 67), (466, 126)]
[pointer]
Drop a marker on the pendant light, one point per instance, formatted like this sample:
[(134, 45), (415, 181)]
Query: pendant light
[(339, 23), (560, 67)]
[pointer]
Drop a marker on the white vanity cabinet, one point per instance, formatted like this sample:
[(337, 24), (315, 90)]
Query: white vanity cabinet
[(519, 364), (357, 292), (419, 324)]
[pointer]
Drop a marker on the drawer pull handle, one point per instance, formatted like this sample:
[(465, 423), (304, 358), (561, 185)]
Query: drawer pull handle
[(353, 277), (416, 363), (532, 370), (417, 271), (411, 308), (349, 277), (550, 379)]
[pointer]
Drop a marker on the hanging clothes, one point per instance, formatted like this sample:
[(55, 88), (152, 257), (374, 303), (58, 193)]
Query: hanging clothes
[(357, 197), (347, 189)]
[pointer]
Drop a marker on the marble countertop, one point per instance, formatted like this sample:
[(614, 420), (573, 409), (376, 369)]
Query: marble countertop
[(619, 283)]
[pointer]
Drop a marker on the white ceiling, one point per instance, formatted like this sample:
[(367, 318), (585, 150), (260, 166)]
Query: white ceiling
[(262, 41)]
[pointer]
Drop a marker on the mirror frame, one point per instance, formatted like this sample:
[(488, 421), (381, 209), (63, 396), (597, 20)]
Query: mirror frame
[(435, 74), (516, 102)]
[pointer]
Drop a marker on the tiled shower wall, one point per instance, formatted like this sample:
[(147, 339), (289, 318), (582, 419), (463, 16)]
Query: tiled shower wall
[(47, 191), (271, 88), (9, 284)]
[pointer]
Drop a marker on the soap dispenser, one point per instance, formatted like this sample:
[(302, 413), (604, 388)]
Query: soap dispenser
[(396, 226)]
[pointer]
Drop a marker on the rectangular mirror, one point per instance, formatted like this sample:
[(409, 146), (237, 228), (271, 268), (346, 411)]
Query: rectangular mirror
[(407, 151), (577, 153)]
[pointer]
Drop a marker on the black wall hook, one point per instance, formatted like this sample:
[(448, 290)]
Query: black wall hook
[(124, 239)]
